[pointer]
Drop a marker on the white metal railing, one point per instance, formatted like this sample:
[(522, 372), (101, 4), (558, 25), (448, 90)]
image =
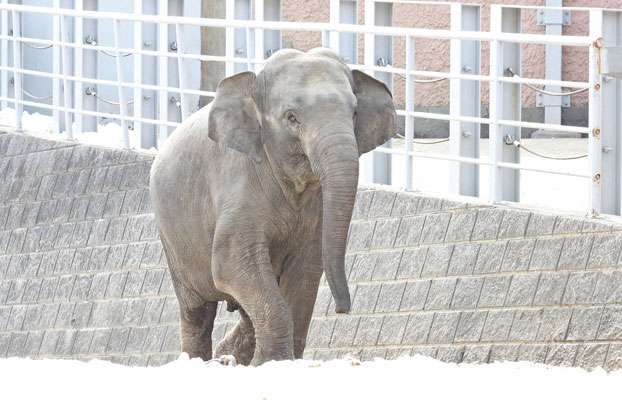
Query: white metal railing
[(503, 38)]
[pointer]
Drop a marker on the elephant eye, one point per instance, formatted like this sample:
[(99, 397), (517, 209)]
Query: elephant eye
[(354, 115), (292, 118)]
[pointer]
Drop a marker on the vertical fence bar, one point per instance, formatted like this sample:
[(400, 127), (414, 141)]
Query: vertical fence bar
[(78, 68), (4, 55), (122, 99), (17, 65), (229, 38), (163, 101), (464, 99), (138, 71), (505, 102), (335, 18), (496, 108), (611, 127), (258, 39), (366, 163), (250, 51), (183, 81), (56, 62), (408, 119), (66, 60), (325, 39), (595, 115)]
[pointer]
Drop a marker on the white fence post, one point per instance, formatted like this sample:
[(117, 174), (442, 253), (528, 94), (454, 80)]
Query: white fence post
[(56, 62), (4, 55), (138, 72), (229, 38), (163, 101), (505, 104), (376, 167), (185, 110), (255, 47), (595, 146), (18, 93), (66, 55), (408, 119), (120, 79), (344, 44), (611, 127), (464, 100)]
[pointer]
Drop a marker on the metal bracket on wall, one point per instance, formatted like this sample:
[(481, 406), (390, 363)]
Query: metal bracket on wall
[(543, 100), (548, 16)]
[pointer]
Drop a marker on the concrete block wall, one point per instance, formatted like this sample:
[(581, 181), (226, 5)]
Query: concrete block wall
[(83, 275), (469, 282)]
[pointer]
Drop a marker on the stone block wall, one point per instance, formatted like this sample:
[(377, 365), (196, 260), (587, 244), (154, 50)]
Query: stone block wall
[(469, 282), (83, 275)]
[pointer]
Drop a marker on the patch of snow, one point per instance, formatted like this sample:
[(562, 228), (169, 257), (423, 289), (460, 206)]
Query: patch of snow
[(107, 135), (407, 385)]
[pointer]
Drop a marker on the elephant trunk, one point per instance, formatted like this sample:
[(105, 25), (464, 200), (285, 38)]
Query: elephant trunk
[(335, 161)]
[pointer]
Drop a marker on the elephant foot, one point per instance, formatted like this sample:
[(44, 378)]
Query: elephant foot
[(269, 354), (240, 342)]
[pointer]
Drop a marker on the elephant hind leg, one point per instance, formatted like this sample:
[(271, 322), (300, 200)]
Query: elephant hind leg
[(240, 342), (196, 330)]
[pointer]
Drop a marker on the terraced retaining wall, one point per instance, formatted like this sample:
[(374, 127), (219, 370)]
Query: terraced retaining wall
[(82, 273)]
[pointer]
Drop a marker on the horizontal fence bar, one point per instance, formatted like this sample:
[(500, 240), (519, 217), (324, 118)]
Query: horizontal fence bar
[(313, 27), (482, 162), (111, 83), (92, 113), (542, 126), (516, 166), (444, 117)]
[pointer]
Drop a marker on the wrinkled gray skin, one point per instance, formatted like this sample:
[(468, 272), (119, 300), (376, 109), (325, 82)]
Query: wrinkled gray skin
[(253, 198)]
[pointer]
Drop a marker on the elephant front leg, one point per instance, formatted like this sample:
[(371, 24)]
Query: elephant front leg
[(245, 273), (240, 342), (299, 285)]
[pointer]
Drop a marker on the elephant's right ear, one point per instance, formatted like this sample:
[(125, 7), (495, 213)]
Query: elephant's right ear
[(233, 118)]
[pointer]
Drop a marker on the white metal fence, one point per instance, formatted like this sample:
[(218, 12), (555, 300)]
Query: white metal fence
[(604, 41)]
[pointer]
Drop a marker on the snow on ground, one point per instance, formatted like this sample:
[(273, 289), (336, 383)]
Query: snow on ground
[(108, 135), (407, 385)]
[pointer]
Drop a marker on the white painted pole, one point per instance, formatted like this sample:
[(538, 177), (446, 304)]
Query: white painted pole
[(496, 108), (366, 163), (258, 37), (138, 70), (4, 54), (183, 75), (325, 39), (66, 55), (56, 62), (122, 99), (595, 115), (78, 68), (229, 38), (163, 102), (17, 64), (250, 49), (611, 127), (335, 18), (409, 106), (464, 99)]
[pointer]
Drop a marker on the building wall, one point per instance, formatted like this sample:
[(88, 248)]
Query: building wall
[(83, 275), (433, 55)]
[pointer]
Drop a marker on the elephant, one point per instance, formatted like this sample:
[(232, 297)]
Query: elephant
[(253, 197)]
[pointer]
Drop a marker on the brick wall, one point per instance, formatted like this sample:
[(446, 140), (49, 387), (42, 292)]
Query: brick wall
[(82, 273)]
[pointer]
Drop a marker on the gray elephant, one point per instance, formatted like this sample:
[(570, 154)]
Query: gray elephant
[(253, 197)]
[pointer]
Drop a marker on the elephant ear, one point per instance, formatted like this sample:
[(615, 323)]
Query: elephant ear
[(233, 117), (376, 120)]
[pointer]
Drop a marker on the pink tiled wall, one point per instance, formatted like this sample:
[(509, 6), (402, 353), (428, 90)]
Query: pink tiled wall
[(434, 54)]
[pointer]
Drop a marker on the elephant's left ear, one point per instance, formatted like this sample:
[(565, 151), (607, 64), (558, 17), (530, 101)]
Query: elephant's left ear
[(233, 118), (376, 120)]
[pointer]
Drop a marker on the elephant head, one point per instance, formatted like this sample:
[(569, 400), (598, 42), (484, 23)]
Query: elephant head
[(310, 117)]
